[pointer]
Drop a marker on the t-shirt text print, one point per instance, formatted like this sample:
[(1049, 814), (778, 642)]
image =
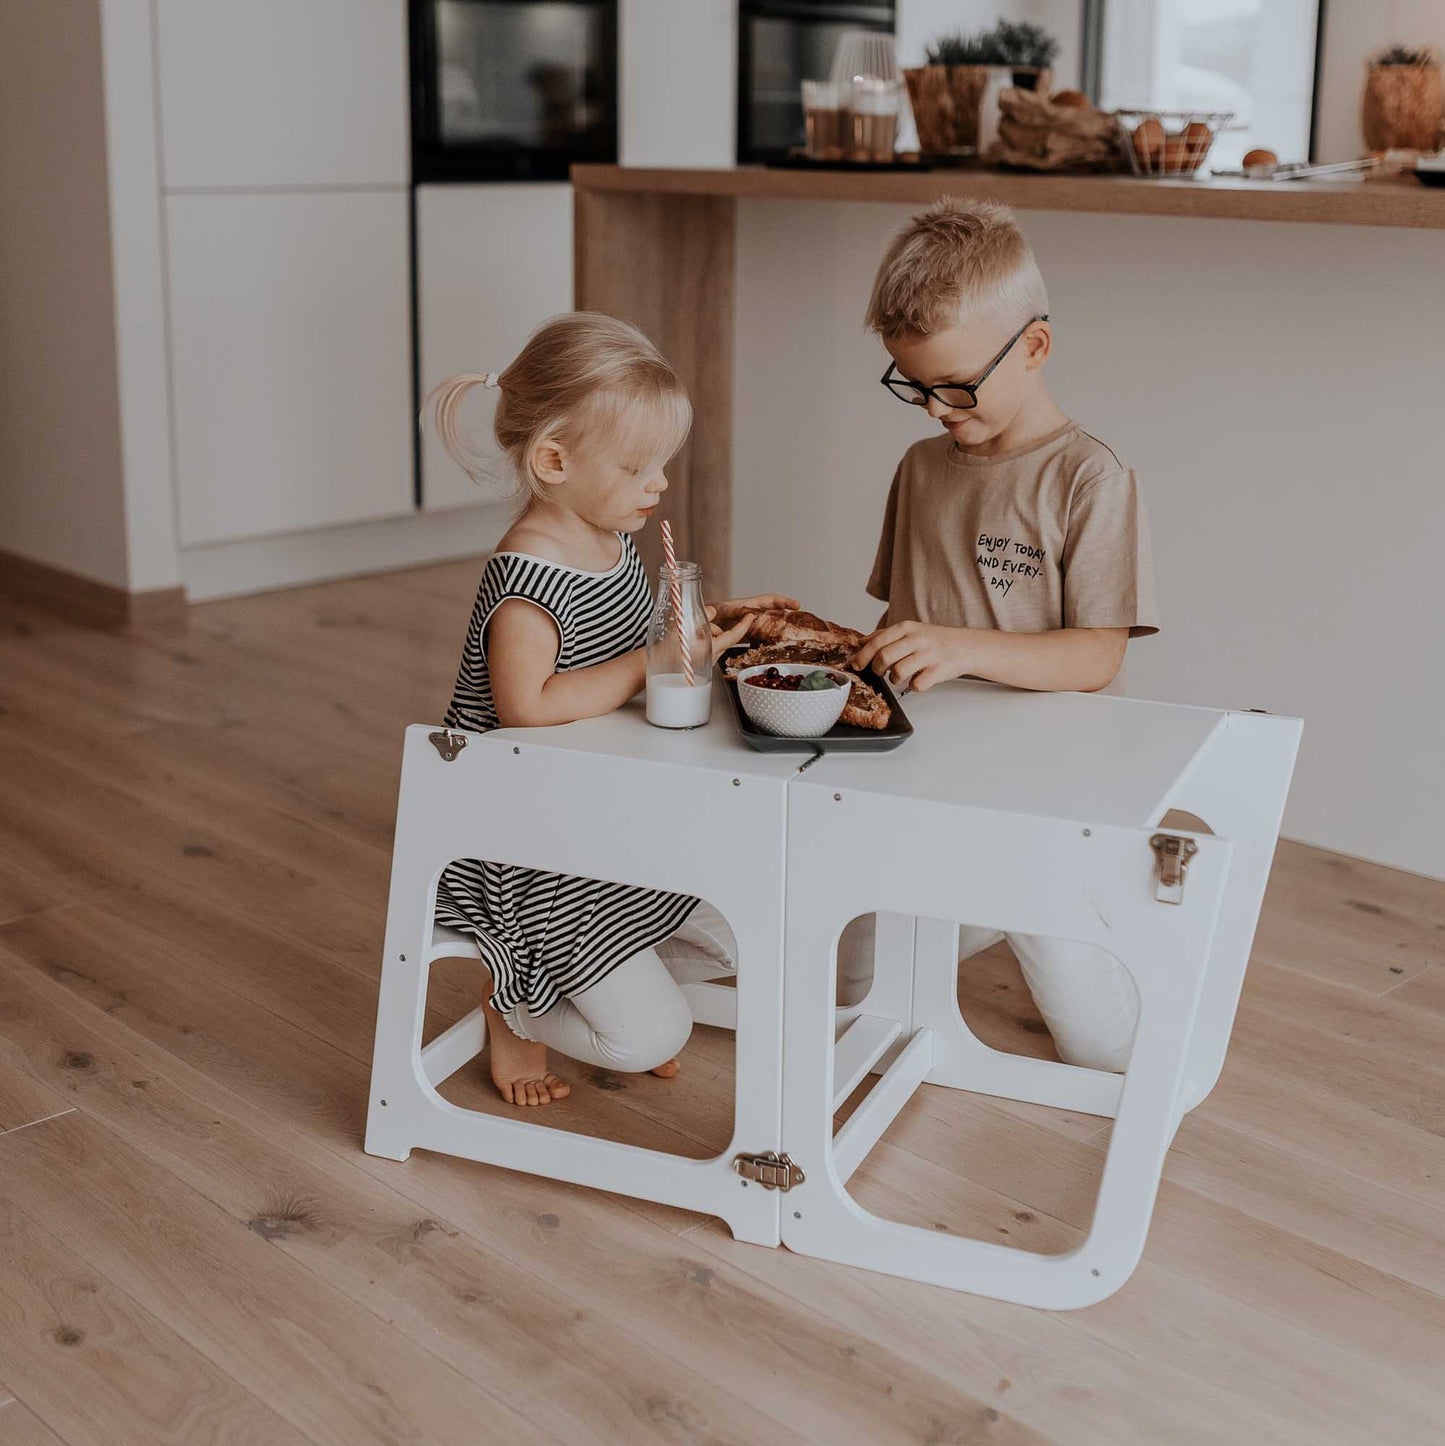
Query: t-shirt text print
[(1008, 566), (1054, 535)]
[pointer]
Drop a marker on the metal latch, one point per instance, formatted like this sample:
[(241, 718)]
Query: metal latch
[(447, 743), (772, 1171), (1173, 853)]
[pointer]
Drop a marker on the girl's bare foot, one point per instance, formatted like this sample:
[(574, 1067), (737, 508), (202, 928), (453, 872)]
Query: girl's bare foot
[(669, 1070), (519, 1066)]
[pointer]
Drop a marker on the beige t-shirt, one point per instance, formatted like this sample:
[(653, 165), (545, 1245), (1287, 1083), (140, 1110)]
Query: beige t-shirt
[(1052, 536)]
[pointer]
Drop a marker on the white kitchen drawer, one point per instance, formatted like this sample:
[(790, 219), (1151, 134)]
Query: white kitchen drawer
[(291, 360), (493, 262), (283, 92)]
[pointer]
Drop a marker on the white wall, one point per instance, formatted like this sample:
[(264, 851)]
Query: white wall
[(1277, 388), (61, 479), (1355, 29)]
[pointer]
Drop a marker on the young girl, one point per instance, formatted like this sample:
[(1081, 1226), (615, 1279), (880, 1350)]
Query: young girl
[(588, 415)]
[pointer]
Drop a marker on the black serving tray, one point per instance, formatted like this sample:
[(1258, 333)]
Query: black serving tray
[(840, 738)]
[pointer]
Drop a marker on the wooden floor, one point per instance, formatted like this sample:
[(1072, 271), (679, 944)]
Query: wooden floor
[(194, 835)]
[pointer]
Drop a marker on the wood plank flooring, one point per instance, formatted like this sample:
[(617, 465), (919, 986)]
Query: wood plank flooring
[(195, 827)]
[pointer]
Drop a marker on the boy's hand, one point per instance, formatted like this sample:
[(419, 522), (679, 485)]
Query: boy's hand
[(915, 656), (731, 610), (722, 641)]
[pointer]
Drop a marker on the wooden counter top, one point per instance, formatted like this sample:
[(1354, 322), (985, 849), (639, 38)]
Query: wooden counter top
[(1399, 202)]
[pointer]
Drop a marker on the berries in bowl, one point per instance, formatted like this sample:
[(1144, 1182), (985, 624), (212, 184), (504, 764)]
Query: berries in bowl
[(793, 700)]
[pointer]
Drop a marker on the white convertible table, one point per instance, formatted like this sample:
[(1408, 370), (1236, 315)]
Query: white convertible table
[(1030, 813)]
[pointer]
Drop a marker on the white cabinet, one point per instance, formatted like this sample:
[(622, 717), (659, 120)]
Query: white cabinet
[(677, 69), (290, 358), (492, 263), (258, 93)]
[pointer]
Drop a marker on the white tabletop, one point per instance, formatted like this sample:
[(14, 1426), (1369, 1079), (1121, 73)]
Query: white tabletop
[(1082, 756), (1054, 755)]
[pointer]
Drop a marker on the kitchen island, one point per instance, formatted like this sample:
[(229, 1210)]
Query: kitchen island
[(1266, 356)]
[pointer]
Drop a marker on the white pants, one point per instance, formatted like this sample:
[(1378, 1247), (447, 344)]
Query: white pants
[(633, 1020), (637, 1018), (1086, 997)]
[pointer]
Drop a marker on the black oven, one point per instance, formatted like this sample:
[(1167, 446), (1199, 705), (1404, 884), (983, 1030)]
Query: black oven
[(782, 43), (512, 89)]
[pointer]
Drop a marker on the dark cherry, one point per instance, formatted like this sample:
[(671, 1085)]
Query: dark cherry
[(782, 683)]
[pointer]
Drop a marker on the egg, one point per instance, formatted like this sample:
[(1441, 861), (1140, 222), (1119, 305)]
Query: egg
[(1149, 139), (1198, 136), (1072, 98), (1260, 157), (1176, 155)]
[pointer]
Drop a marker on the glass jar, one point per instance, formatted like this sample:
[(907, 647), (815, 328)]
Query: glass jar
[(679, 651)]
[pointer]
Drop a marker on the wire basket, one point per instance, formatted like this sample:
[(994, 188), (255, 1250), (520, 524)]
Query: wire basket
[(1168, 142)]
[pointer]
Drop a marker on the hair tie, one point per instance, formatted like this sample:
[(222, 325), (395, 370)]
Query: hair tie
[(491, 380)]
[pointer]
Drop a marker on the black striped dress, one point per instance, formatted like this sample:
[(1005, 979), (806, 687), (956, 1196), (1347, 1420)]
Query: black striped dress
[(547, 936)]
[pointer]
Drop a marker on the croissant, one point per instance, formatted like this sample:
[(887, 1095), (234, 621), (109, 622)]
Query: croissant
[(792, 625)]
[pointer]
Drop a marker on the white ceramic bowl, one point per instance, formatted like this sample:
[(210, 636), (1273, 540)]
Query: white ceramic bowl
[(793, 715)]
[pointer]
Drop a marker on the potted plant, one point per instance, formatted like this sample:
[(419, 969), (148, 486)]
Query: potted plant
[(949, 94), (1403, 99)]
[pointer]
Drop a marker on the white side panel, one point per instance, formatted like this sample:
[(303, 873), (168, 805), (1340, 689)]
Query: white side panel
[(492, 263), (290, 337), (513, 796), (283, 92)]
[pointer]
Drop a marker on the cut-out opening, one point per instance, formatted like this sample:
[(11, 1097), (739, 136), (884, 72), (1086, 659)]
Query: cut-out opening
[(1016, 991), (679, 1003), (959, 1160)]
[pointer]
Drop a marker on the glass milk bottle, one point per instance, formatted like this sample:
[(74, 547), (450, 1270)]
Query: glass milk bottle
[(679, 651)]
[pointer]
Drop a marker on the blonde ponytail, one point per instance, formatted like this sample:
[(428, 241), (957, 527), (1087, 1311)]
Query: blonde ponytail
[(444, 403)]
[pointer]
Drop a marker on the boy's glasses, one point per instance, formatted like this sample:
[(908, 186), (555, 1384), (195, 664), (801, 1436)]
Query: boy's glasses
[(956, 396)]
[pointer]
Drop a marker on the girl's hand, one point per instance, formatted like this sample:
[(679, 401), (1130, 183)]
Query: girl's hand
[(731, 610), (915, 656), (722, 641)]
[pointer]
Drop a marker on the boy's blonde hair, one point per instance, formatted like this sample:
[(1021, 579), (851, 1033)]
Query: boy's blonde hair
[(953, 262), (583, 379)]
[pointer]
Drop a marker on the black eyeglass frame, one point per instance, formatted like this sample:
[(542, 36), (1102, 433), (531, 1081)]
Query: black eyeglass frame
[(921, 394)]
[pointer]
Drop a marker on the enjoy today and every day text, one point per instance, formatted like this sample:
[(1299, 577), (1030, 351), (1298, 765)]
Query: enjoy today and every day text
[(1005, 569)]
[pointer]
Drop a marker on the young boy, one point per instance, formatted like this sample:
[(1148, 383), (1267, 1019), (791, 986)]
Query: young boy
[(1015, 546)]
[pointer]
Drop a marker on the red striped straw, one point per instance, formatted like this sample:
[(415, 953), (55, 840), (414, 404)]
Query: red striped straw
[(669, 556)]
